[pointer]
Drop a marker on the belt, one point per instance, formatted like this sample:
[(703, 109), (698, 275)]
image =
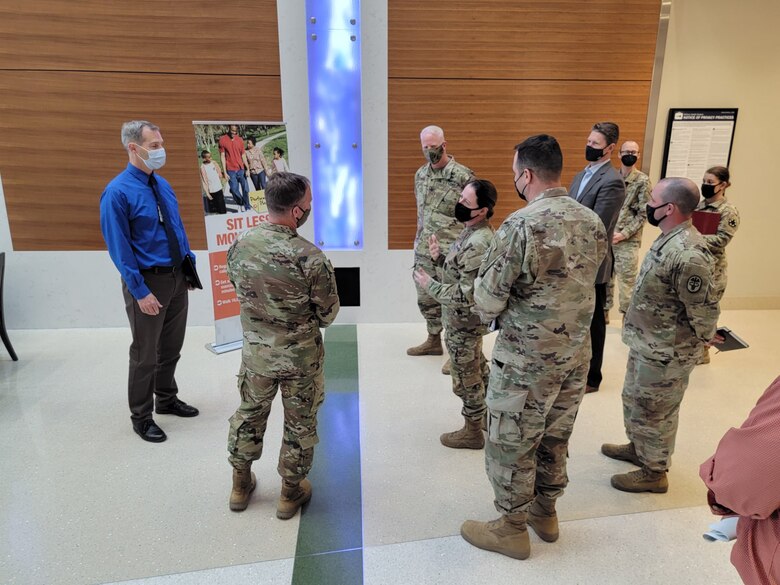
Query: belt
[(159, 269)]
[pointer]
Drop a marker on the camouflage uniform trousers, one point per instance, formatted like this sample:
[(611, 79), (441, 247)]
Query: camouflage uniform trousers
[(469, 370), (626, 268), (301, 398), (652, 393), (429, 307), (531, 417)]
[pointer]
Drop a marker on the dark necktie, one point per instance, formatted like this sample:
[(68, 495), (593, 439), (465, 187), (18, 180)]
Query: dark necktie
[(162, 212)]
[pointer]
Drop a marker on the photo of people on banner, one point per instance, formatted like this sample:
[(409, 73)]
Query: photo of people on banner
[(235, 161)]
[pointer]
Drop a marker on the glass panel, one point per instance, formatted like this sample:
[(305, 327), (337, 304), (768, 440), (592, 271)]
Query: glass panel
[(333, 31)]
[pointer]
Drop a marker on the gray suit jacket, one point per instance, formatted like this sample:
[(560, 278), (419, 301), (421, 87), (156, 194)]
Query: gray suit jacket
[(604, 194)]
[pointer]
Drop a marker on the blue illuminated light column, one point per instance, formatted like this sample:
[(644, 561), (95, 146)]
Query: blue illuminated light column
[(333, 43)]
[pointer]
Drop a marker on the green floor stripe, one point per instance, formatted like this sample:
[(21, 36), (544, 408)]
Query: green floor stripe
[(330, 537)]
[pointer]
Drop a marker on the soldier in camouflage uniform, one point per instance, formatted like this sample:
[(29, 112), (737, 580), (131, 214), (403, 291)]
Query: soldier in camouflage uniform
[(455, 291), (628, 231), (671, 316), (713, 188), (287, 291), (537, 282), (437, 186)]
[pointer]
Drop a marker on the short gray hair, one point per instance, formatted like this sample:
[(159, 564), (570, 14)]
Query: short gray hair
[(132, 131), (435, 130)]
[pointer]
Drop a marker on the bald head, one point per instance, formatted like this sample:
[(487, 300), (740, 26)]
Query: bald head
[(629, 146), (681, 191)]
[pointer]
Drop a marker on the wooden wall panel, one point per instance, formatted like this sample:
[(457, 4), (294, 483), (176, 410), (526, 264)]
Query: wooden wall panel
[(60, 144), (522, 39), (185, 36), (486, 120), (492, 76), (72, 72)]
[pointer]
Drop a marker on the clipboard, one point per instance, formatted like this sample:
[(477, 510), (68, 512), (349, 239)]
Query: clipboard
[(733, 341)]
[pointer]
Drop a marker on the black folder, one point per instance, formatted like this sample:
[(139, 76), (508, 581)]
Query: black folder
[(733, 341), (190, 274)]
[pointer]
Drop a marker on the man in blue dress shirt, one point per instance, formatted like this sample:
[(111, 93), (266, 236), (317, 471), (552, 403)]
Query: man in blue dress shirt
[(140, 221)]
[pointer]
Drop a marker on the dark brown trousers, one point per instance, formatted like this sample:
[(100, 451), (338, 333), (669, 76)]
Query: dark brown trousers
[(157, 342)]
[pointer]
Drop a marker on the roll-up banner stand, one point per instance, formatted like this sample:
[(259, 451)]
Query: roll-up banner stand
[(235, 160)]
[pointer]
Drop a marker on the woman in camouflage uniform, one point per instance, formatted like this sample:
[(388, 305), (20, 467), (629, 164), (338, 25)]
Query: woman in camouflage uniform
[(455, 292), (713, 188)]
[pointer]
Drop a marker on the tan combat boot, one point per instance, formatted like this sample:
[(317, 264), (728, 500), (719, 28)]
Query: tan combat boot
[(508, 535), (641, 480), (292, 498), (621, 453), (431, 346), (543, 519), (469, 437), (445, 369), (244, 483)]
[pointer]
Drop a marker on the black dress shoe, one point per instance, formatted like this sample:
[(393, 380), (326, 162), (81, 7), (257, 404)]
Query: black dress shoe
[(149, 431), (179, 408)]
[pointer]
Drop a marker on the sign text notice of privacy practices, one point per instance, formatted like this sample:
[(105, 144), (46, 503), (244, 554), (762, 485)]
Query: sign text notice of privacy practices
[(697, 139)]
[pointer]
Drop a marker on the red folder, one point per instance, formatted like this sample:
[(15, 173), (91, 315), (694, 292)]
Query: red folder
[(706, 222)]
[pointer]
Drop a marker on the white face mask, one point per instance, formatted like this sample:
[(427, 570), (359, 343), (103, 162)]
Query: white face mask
[(156, 158)]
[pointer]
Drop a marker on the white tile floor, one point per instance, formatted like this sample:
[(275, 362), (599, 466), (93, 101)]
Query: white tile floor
[(84, 501)]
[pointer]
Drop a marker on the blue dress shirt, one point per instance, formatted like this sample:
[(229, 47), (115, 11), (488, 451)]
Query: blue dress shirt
[(590, 170), (131, 226)]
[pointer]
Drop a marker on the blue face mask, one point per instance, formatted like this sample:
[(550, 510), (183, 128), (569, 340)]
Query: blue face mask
[(156, 158)]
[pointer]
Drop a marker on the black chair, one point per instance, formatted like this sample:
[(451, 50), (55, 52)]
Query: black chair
[(3, 332)]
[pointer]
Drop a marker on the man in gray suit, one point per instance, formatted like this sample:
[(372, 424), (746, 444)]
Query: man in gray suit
[(600, 188)]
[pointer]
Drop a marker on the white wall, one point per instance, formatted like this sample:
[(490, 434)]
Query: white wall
[(387, 290), (719, 54)]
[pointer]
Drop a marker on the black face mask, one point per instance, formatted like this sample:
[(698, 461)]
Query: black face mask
[(521, 194), (650, 210), (708, 190), (463, 213), (628, 160), (593, 154), (302, 220)]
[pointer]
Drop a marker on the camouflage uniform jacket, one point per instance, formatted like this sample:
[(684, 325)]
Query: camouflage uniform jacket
[(287, 291), (437, 191), (727, 227), (537, 279), (456, 290), (632, 215), (672, 311)]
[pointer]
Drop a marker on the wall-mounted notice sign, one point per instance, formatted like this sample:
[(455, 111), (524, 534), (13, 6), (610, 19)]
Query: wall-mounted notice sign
[(697, 139)]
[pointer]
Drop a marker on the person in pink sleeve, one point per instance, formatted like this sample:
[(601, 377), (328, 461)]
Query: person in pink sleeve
[(743, 477)]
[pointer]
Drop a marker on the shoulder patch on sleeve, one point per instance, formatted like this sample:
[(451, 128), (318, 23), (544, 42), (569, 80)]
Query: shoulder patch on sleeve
[(694, 284)]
